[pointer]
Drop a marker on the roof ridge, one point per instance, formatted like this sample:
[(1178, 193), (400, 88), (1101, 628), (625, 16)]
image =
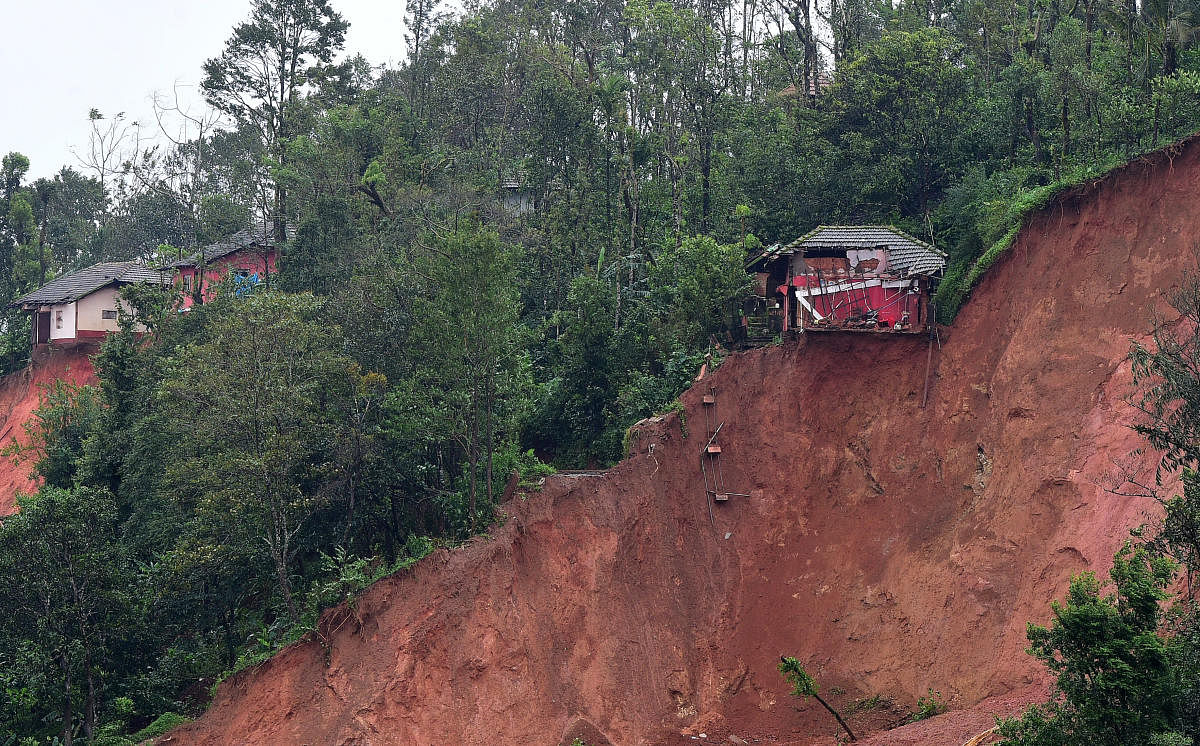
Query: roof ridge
[(72, 286)]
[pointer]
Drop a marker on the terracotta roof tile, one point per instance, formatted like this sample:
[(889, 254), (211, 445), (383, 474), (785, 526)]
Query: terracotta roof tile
[(261, 235)]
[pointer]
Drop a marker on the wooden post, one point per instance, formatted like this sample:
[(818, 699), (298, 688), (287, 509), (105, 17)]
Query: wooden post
[(932, 324), (787, 311)]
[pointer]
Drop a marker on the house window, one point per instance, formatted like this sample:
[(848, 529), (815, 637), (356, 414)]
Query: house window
[(187, 284), (106, 314), (58, 319)]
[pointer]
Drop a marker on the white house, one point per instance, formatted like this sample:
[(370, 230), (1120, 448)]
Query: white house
[(83, 305)]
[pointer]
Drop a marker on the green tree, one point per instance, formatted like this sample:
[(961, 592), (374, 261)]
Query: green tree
[(898, 113), (1169, 389), (268, 64), (1113, 675), (67, 601), (473, 378), (696, 287), (66, 415), (576, 404), (248, 407)]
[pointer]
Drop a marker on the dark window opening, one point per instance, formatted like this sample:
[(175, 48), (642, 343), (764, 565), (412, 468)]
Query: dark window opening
[(41, 327)]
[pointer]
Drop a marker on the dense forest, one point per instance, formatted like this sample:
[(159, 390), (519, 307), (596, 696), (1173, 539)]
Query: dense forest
[(494, 257)]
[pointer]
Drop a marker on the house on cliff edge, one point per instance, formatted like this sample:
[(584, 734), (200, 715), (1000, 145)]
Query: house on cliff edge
[(247, 258), (848, 277), (83, 305)]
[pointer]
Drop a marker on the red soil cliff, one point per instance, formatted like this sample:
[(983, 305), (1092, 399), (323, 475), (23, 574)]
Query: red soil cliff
[(891, 548), (20, 394)]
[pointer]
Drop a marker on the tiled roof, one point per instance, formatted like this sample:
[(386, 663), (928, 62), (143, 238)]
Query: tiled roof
[(71, 287), (906, 254), (262, 235)]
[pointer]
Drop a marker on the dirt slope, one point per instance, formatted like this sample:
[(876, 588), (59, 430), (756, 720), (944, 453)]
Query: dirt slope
[(891, 548), (19, 396)]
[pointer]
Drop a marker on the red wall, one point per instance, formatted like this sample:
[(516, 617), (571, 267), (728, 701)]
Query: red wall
[(890, 303), (251, 260)]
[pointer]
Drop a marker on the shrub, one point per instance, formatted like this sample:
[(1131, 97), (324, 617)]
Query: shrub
[(161, 725), (928, 706)]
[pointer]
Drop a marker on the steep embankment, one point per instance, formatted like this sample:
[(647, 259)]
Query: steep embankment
[(891, 548), (20, 393)]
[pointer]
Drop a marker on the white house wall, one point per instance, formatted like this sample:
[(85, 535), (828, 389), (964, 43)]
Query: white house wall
[(91, 309), (62, 321)]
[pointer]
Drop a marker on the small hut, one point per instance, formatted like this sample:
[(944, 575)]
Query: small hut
[(872, 278)]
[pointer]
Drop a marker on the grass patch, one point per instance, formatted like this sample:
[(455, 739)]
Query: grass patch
[(867, 704), (1000, 227), (161, 725)]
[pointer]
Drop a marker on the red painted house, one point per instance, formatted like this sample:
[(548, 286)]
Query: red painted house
[(850, 277), (246, 259)]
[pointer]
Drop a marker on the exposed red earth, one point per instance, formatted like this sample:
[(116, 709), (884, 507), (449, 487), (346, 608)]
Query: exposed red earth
[(20, 394), (891, 548)]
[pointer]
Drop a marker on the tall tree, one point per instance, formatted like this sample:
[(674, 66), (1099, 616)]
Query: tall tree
[(67, 579), (268, 65), (249, 408)]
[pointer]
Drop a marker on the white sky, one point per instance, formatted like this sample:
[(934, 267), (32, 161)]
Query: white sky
[(61, 58)]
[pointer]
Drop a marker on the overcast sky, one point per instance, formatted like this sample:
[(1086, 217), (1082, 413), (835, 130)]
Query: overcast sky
[(59, 59)]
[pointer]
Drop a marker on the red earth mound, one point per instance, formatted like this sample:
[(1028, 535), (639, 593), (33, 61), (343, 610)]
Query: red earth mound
[(20, 394), (892, 548)]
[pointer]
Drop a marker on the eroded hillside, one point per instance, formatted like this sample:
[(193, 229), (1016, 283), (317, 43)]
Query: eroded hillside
[(20, 394), (889, 547)]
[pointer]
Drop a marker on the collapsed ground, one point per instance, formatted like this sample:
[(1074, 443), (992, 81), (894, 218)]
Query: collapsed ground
[(889, 547), (20, 395)]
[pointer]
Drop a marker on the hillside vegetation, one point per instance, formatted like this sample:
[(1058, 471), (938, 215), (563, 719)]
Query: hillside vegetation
[(497, 255), (889, 548)]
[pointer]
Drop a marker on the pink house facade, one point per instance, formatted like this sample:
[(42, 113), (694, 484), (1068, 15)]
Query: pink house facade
[(850, 278), (245, 260)]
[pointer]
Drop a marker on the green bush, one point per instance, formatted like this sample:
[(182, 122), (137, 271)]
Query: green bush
[(928, 706), (161, 725)]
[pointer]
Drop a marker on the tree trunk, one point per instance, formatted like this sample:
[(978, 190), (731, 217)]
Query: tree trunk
[(68, 707), (706, 149), (473, 454), (1066, 134), (285, 585), (279, 219), (677, 201), (89, 707), (230, 642), (836, 715), (1031, 129), (489, 400), (1157, 114), (631, 206), (42, 246), (812, 60), (1131, 14)]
